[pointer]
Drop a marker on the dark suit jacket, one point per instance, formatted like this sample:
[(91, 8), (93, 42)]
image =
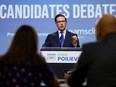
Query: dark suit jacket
[(52, 40), (97, 63)]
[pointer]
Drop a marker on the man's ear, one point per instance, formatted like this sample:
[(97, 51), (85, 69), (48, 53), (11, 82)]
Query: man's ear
[(98, 33), (98, 36)]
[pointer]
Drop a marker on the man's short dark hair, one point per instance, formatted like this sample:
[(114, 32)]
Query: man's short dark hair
[(60, 15)]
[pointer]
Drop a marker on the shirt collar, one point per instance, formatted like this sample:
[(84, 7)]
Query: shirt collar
[(63, 33)]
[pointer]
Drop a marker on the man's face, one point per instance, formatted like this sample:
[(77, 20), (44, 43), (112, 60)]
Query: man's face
[(61, 23)]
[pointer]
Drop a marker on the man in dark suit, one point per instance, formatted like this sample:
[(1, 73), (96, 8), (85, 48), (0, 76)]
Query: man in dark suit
[(97, 63), (69, 39)]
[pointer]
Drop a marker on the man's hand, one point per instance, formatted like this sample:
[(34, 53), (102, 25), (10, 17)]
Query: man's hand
[(74, 39)]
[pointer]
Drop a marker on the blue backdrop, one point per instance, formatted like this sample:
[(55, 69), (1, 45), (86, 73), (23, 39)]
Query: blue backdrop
[(81, 15)]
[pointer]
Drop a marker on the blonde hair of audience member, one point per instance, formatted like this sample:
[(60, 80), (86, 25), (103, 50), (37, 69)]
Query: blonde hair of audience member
[(24, 50), (105, 25)]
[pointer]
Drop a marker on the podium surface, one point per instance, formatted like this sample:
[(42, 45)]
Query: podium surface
[(60, 58)]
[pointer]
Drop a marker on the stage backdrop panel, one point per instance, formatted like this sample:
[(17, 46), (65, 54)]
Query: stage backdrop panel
[(81, 15)]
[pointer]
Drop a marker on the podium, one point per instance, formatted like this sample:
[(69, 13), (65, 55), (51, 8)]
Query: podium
[(60, 58)]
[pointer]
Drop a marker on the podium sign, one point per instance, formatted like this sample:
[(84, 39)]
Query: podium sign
[(61, 54)]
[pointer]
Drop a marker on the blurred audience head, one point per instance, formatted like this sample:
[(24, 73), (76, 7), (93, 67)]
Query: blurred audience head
[(25, 39), (24, 45), (105, 25)]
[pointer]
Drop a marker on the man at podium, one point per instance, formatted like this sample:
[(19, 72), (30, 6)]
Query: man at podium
[(62, 37)]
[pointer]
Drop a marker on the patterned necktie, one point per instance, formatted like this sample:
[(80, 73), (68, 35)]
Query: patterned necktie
[(62, 39)]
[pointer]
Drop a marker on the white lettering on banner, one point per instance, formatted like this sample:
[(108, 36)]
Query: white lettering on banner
[(78, 31), (83, 31), (32, 11), (93, 11), (10, 34), (24, 11)]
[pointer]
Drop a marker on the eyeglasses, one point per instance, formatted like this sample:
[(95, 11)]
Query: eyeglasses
[(61, 21)]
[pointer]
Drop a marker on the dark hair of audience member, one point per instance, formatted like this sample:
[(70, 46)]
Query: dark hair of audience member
[(23, 48)]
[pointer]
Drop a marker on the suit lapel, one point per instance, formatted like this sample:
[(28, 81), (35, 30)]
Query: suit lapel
[(57, 38), (66, 38)]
